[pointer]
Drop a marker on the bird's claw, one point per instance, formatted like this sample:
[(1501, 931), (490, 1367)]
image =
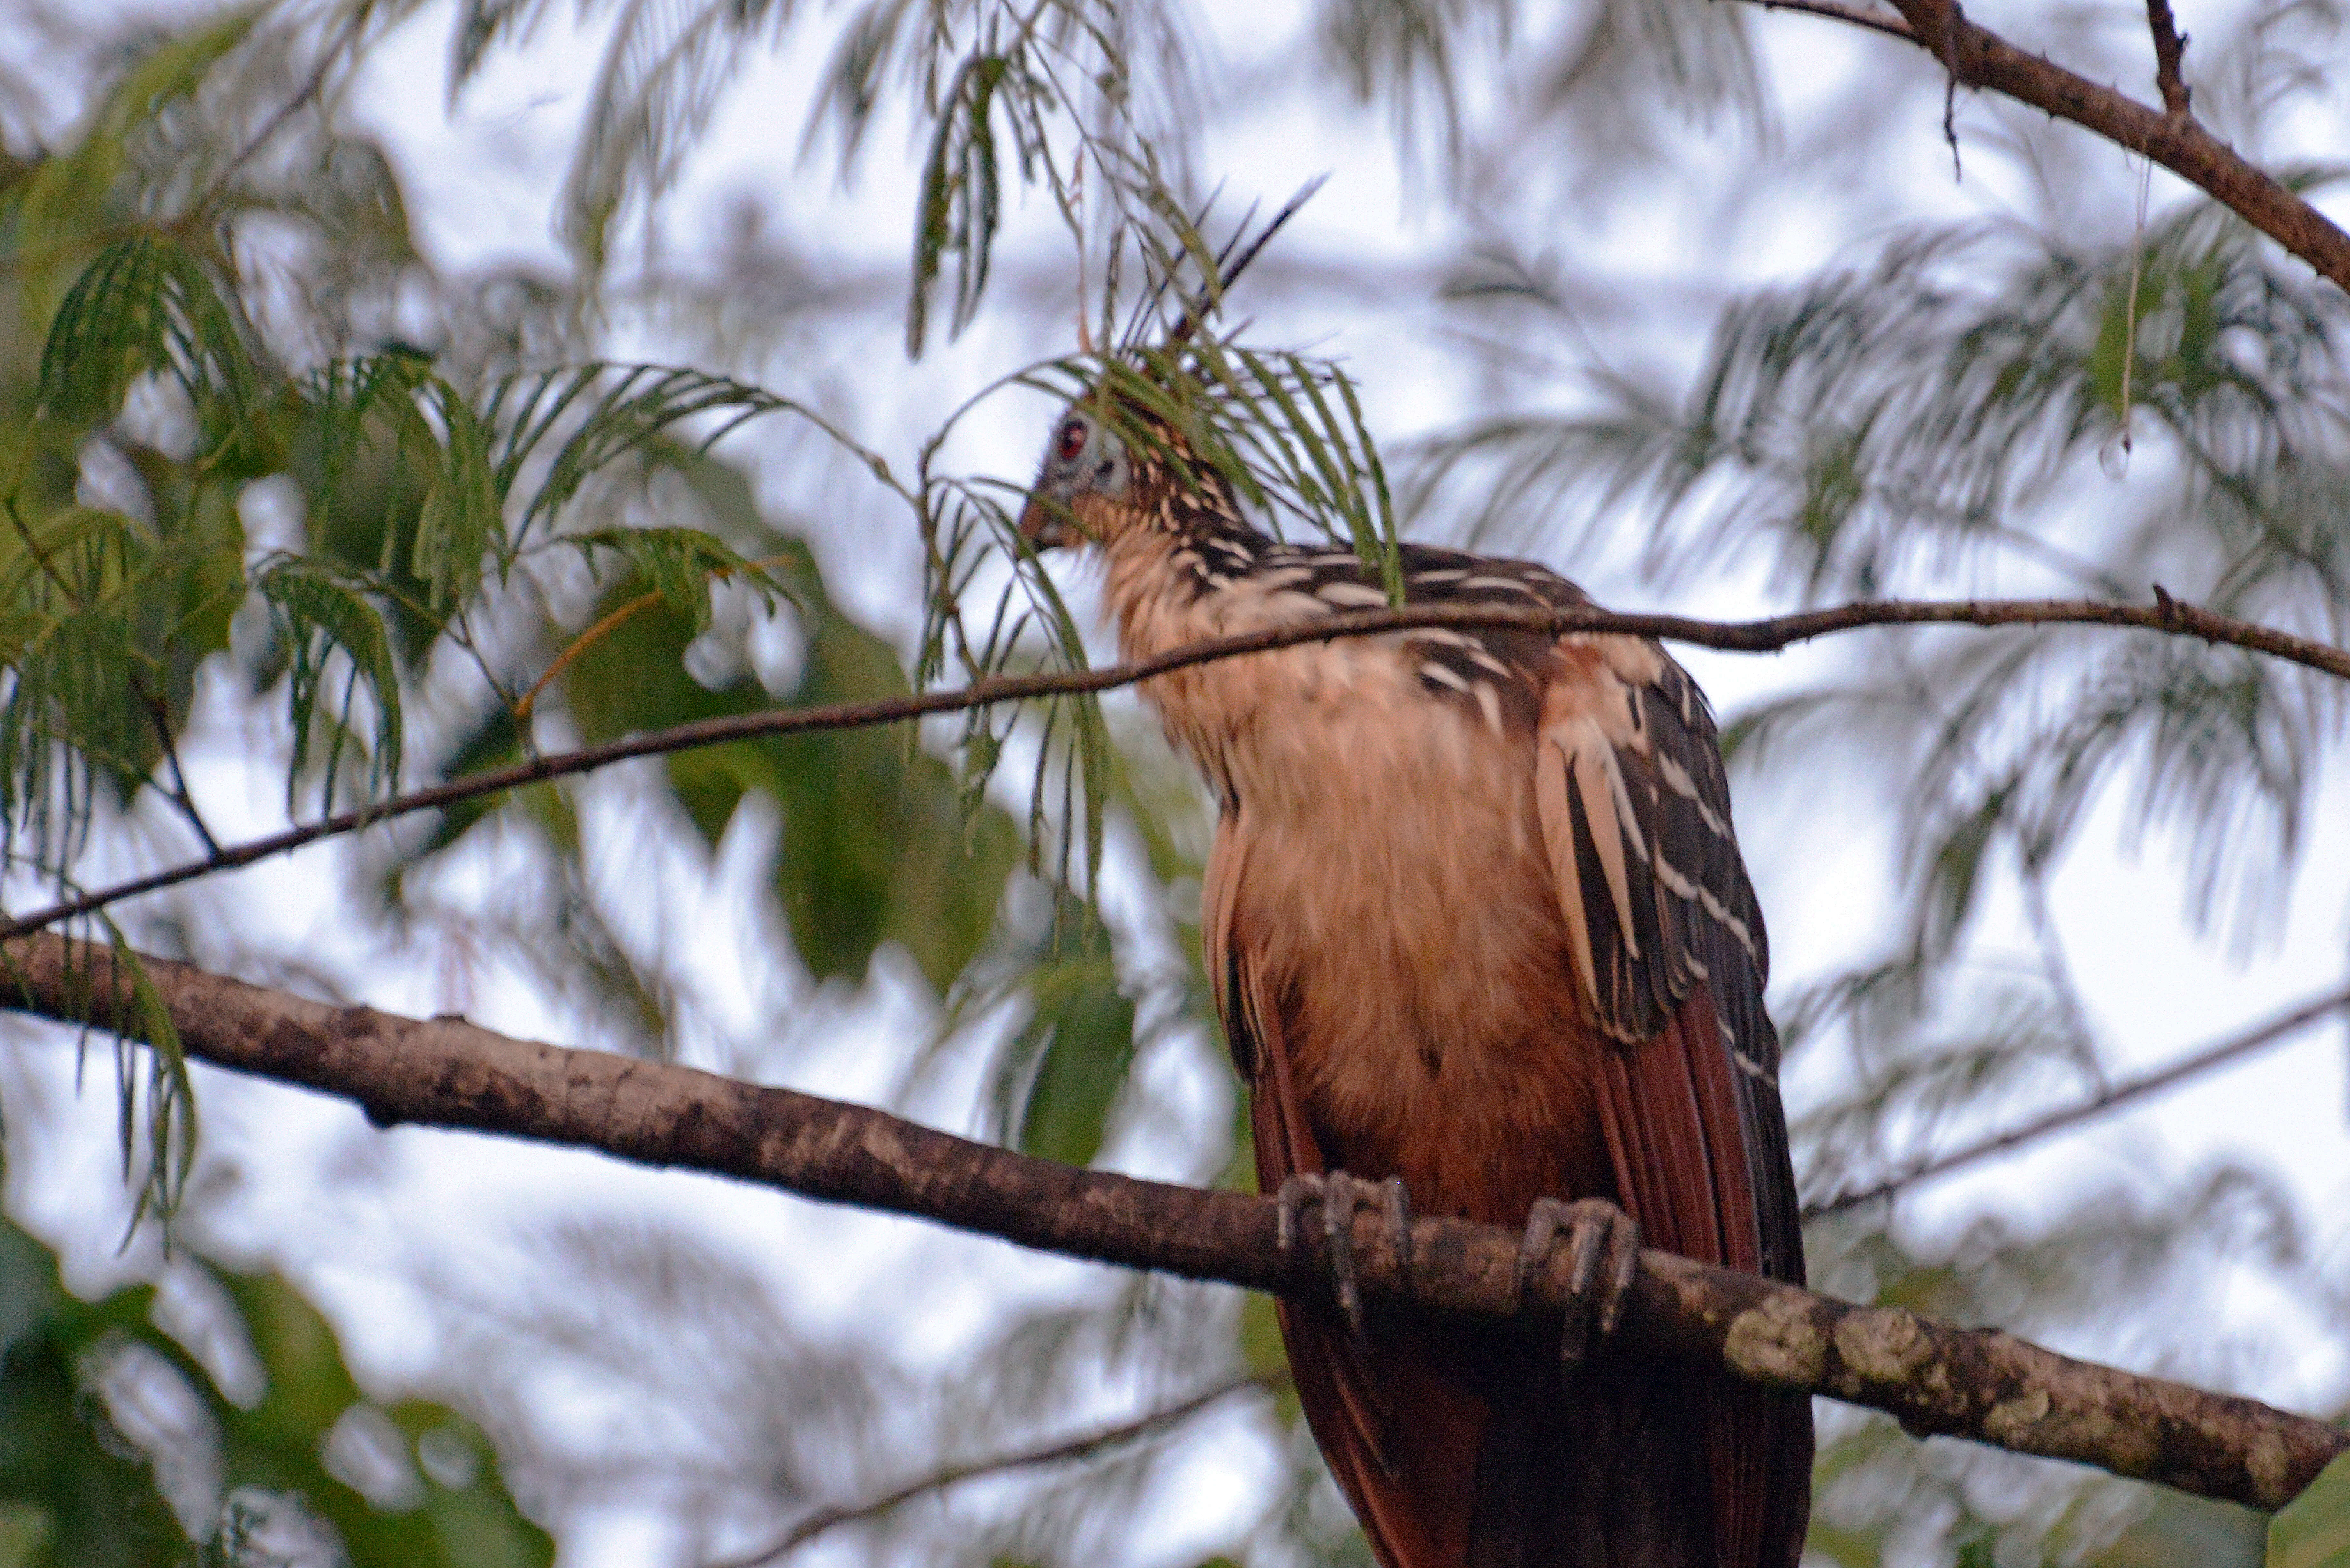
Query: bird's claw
[(1604, 1252), (1338, 1195)]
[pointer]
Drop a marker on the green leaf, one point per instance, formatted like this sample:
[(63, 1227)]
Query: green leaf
[(146, 303), (453, 1514), (77, 1500), (462, 522), (1076, 1048), (683, 566), (879, 843), (81, 1493), (103, 623), (70, 716), (334, 639), (346, 400), (2313, 1531), (401, 490), (961, 204), (626, 410)]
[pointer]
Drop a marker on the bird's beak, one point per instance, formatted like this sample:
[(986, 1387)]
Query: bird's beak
[(1045, 523)]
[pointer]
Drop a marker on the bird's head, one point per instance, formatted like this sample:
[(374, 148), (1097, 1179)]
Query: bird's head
[(1085, 490), (1119, 459), (1115, 465)]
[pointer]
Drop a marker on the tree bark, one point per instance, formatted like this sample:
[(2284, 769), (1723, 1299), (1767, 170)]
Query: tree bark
[(1976, 56), (1936, 1378)]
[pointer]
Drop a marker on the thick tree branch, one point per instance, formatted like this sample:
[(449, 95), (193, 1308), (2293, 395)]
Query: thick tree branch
[(2119, 1095), (1977, 57), (1975, 1383), (1769, 636)]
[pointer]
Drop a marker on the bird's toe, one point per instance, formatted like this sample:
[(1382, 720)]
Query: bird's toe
[(1604, 1252), (1336, 1196)]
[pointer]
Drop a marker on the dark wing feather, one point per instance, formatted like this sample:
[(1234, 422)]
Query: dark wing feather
[(1671, 945)]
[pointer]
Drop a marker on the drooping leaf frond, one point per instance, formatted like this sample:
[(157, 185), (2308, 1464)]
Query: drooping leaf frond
[(961, 202), (335, 641), (602, 413), (664, 69), (146, 304), (103, 623), (682, 566), (67, 719), (462, 525)]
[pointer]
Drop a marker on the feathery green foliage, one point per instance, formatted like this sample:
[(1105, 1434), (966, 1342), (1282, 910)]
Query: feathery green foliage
[(146, 306), (124, 1447)]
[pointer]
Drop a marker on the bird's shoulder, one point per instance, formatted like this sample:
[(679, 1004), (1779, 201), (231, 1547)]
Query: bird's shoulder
[(1342, 580), (1504, 674)]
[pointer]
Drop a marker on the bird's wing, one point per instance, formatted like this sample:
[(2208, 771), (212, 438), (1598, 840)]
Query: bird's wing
[(1669, 958)]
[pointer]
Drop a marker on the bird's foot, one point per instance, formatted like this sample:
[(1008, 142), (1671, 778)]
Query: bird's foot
[(1338, 1195), (1604, 1250)]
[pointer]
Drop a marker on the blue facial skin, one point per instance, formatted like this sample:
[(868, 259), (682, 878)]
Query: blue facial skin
[(1085, 459)]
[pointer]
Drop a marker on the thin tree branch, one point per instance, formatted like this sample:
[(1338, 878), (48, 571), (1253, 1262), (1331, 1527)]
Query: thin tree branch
[(1980, 1383), (1858, 16), (182, 801), (269, 127), (1768, 636), (2057, 969), (1061, 1451), (2169, 50), (2116, 1095), (1978, 58)]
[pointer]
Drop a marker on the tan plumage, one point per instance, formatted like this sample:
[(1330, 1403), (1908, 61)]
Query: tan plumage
[(1475, 918)]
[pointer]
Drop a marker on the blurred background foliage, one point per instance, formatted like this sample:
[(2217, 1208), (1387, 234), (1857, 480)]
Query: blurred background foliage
[(308, 503), (236, 1434)]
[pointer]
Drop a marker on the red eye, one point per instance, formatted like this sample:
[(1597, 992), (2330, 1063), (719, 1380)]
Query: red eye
[(1072, 439)]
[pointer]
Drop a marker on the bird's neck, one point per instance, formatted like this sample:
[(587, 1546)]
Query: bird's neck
[(1173, 585), (1150, 586)]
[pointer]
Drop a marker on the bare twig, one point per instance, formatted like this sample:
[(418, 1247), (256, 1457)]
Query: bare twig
[(1982, 59), (269, 129), (1948, 45), (1061, 1450), (1858, 15), (182, 801), (1980, 1383), (2119, 1095), (2169, 48), (1769, 636)]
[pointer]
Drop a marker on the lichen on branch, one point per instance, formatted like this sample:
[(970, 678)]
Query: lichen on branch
[(1934, 1378)]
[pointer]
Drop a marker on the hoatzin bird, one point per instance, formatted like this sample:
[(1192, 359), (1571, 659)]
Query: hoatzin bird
[(1478, 932)]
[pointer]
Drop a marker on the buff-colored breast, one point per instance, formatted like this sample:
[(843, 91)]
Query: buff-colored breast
[(1389, 884)]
